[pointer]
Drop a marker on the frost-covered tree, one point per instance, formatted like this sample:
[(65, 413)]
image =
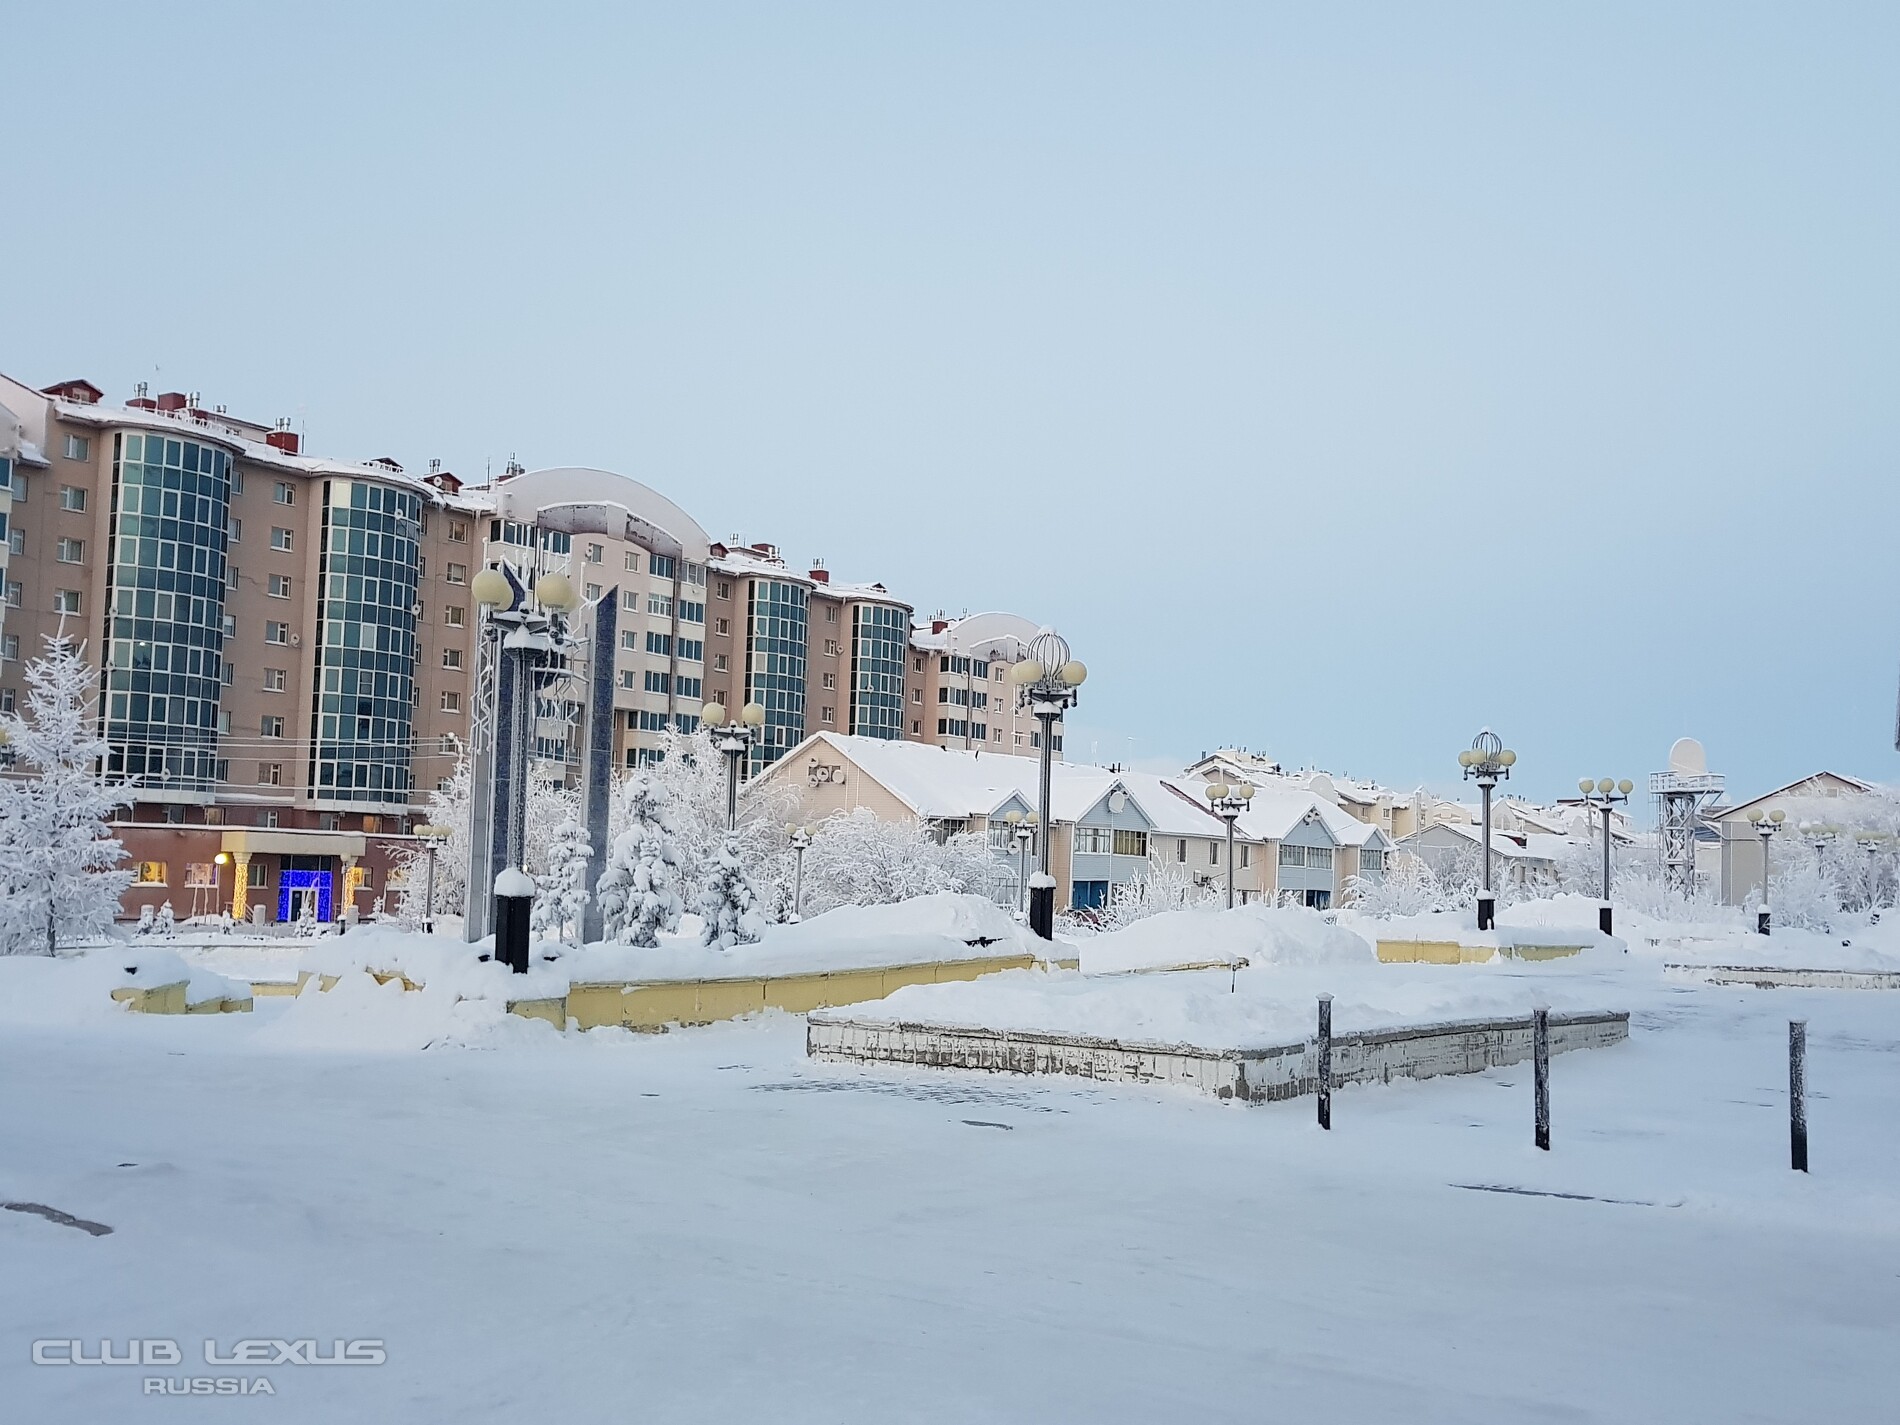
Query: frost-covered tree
[(448, 808), (856, 858), (561, 885), (307, 916), (640, 888), (60, 877), (1408, 887), (690, 780), (148, 919), (729, 902), (166, 922), (1167, 886)]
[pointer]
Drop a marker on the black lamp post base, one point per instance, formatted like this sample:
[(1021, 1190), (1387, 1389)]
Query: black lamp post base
[(1761, 921), (1042, 911), (1487, 912), (511, 931), (1604, 920)]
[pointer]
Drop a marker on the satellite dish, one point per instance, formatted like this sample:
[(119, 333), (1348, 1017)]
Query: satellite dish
[(1321, 785), (1687, 759), (1117, 801)]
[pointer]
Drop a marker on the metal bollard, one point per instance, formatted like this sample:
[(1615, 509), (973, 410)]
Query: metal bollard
[(1798, 1094), (1326, 1062), (1540, 1054)]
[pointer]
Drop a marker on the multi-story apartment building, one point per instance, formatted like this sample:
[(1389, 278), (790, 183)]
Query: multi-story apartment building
[(961, 696), (288, 645)]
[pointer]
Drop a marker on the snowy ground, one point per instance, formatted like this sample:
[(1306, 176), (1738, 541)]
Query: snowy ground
[(703, 1225)]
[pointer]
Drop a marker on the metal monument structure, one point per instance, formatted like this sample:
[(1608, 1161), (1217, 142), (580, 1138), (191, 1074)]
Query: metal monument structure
[(1680, 794)]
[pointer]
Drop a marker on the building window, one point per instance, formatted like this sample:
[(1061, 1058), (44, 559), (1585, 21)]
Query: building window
[(1180, 850), (270, 774), (458, 533), (692, 612), (1245, 854), (280, 586), (280, 538), (722, 626), (224, 722), (1292, 855), (660, 643), (591, 593), (1131, 843), (149, 873), (16, 593), (6, 700), (658, 682), (72, 497), (831, 648), (451, 702), (824, 713), (230, 674), (270, 725), (283, 493), (1213, 853), (276, 632), (254, 874), (268, 819), (233, 529), (70, 551), (66, 601), (831, 680), (831, 613), (77, 447), (16, 540), (454, 615), (660, 605), (9, 647), (451, 658), (1088, 895), (276, 680), (457, 574), (660, 566), (719, 663), (630, 640), (1094, 840), (722, 590), (633, 562), (627, 679), (595, 554), (230, 625)]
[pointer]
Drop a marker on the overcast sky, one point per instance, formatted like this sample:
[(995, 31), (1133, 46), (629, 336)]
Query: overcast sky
[(1339, 378)]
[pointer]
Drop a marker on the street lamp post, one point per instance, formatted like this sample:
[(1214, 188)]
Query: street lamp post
[(1603, 794), (734, 739), (1022, 830), (1489, 761), (432, 838), (1765, 828), (1046, 682), (534, 637), (1228, 803), (801, 843), (221, 860)]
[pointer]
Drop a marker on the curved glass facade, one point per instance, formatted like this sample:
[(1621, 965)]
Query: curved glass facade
[(366, 644), (775, 664), (880, 636), (171, 501)]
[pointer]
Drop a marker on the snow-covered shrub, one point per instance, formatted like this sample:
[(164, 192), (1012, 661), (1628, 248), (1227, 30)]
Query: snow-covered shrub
[(307, 916), (690, 779), (1408, 887), (60, 877), (166, 922), (1166, 886), (561, 885), (729, 902), (1800, 892)]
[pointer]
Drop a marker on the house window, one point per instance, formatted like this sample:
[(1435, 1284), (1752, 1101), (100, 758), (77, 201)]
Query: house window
[(1094, 840), (1372, 861), (1180, 850), (270, 725), (1245, 857), (276, 680), (1292, 855), (1131, 843), (283, 493), (71, 551), (77, 448), (454, 615), (280, 586), (457, 574), (451, 702), (149, 873), (276, 632), (280, 538), (270, 774), (1088, 895), (66, 601), (1213, 853), (451, 658)]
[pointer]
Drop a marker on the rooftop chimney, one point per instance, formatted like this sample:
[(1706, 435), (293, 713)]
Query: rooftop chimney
[(938, 625), (140, 401), (283, 437), (172, 401), (820, 574)]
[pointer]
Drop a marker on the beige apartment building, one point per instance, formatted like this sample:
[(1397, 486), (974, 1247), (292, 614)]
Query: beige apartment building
[(289, 648)]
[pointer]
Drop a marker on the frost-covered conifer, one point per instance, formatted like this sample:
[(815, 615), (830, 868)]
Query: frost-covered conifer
[(561, 888), (60, 878), (729, 902), (640, 889)]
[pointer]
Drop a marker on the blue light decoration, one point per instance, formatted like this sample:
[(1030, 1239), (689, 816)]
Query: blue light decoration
[(289, 881)]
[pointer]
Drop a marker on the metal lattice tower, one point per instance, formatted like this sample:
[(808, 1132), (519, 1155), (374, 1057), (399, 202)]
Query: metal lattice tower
[(1680, 795)]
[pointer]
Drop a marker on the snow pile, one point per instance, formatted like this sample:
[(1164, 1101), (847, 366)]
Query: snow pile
[(76, 988), (438, 962), (1258, 934), (1552, 923), (920, 931), (357, 1013)]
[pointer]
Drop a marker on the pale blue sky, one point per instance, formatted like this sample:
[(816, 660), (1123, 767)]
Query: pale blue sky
[(1339, 378)]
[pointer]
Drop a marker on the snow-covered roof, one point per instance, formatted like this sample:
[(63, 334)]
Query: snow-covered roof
[(1532, 847), (1814, 784), (993, 635), (523, 496)]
